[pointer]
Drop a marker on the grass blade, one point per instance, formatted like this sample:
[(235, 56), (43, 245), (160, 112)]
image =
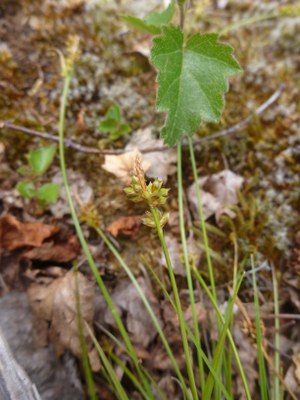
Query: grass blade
[(263, 382)]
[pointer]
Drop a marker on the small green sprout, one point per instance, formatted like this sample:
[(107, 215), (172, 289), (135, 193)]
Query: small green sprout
[(39, 160), (112, 123)]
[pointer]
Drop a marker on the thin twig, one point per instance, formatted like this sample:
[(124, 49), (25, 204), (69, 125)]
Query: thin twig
[(90, 150)]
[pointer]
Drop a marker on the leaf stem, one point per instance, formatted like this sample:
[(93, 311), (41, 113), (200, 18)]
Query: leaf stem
[(276, 387)]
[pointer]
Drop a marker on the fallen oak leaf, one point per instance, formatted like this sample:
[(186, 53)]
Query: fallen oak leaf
[(15, 234), (125, 226), (56, 304)]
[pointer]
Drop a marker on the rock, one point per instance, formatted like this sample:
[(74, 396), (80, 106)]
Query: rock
[(54, 378)]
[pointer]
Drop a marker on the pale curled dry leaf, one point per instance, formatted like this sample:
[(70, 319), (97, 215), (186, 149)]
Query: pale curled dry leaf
[(15, 234), (122, 166), (162, 163), (218, 191), (56, 304)]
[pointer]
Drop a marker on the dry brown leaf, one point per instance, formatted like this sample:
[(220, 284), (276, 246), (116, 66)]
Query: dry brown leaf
[(218, 192), (125, 226), (122, 166), (15, 234), (57, 304), (55, 252)]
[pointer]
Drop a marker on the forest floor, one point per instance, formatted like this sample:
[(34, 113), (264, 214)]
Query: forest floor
[(260, 157)]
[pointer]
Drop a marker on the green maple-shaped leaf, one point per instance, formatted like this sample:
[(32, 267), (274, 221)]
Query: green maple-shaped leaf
[(192, 80)]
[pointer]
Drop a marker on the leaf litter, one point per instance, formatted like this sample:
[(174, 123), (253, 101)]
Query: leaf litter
[(56, 304), (131, 307), (218, 200)]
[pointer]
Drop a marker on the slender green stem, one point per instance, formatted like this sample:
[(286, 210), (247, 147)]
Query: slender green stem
[(189, 364), (129, 374), (263, 383), (188, 267), (228, 371), (83, 242), (276, 388)]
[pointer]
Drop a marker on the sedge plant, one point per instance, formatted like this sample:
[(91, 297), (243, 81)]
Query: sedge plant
[(192, 79)]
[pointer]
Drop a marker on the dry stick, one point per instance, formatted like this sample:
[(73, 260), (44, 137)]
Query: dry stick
[(84, 149)]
